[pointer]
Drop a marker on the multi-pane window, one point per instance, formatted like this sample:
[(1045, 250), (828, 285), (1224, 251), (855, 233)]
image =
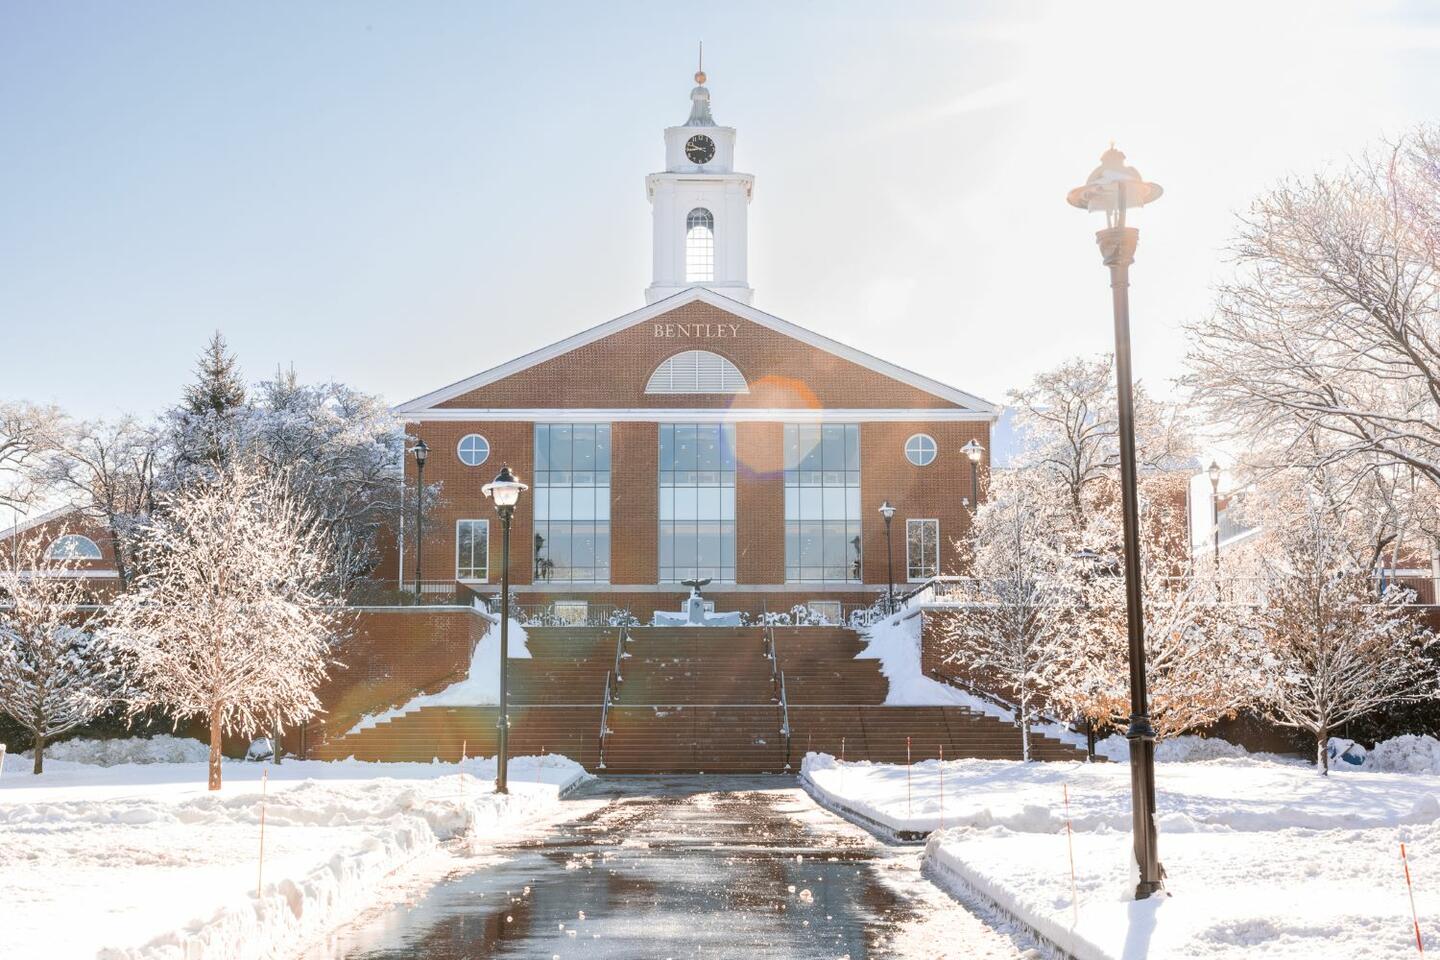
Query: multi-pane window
[(699, 246), (922, 549), (697, 501), (472, 549), (473, 449), (822, 502), (572, 502), (920, 449)]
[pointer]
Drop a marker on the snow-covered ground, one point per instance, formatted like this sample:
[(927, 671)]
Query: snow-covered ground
[(1265, 858), (140, 861)]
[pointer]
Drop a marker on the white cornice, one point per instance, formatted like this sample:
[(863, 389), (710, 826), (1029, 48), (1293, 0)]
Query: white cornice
[(423, 404), (697, 415)]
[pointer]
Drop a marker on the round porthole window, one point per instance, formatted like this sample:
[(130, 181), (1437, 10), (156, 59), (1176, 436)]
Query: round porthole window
[(474, 450), (920, 449)]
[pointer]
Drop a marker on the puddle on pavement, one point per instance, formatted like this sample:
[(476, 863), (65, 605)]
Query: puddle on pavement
[(667, 868)]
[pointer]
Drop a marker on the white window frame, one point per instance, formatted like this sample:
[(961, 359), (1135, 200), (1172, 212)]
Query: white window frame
[(89, 549), (919, 439), (909, 568), (700, 246), (460, 449), (462, 579)]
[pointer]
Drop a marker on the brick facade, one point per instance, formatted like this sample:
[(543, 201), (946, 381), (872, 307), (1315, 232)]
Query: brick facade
[(783, 373)]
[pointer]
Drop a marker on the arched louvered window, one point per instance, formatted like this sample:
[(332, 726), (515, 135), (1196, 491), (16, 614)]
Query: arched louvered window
[(697, 371), (73, 546), (699, 246)]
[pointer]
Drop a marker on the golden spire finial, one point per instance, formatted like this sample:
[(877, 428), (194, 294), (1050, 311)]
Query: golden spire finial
[(700, 70)]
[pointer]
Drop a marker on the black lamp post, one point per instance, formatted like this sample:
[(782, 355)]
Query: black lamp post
[(505, 489), (888, 512), (974, 452), (1110, 189), (1214, 472), (421, 451)]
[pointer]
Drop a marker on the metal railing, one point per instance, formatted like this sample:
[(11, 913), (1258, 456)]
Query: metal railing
[(620, 642), (768, 649), (393, 593), (546, 615), (604, 723), (785, 719)]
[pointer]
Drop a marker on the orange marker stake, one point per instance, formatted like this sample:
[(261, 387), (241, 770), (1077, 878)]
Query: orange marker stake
[(1070, 842), (907, 776), (1414, 917), (260, 877), (942, 786)]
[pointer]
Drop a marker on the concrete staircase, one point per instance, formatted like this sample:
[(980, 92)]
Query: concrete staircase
[(695, 700)]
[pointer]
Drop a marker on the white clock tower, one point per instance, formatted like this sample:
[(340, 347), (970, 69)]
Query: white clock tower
[(698, 206)]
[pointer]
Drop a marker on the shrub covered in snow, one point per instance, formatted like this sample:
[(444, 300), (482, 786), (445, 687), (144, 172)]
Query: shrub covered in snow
[(109, 753)]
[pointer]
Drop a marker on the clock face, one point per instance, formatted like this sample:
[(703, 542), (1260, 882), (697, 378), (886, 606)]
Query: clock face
[(700, 148)]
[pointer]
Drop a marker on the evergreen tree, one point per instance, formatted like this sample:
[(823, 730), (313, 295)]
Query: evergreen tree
[(218, 387)]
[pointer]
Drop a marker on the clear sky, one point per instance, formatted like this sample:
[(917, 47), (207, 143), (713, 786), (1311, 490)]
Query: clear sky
[(399, 195)]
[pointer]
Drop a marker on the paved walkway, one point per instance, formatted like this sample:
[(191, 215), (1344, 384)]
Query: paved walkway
[(681, 867)]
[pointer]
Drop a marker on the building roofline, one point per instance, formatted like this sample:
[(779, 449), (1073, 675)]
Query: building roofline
[(425, 402), (44, 518)]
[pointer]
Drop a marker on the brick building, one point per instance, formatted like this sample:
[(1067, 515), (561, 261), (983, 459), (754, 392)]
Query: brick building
[(697, 437)]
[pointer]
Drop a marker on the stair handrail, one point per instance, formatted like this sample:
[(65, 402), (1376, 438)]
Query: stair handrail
[(774, 658), (604, 721), (620, 642), (785, 719)]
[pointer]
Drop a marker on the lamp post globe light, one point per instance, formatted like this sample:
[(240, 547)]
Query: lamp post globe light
[(888, 512), (975, 452), (421, 452), (1113, 188), (1214, 472), (505, 490)]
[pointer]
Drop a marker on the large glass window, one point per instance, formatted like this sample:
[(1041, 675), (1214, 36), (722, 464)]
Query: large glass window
[(697, 501), (699, 246), (472, 549), (822, 502), (572, 502), (922, 549)]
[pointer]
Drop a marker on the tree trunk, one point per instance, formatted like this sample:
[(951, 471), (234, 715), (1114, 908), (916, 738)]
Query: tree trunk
[(214, 782), (39, 754), (1322, 757)]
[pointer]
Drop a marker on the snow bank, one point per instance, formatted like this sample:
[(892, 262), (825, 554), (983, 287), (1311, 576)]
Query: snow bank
[(1264, 857), (895, 642), (1404, 754), (166, 870), (107, 753), (1182, 749), (481, 686)]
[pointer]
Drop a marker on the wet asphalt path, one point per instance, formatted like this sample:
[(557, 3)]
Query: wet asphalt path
[(682, 867)]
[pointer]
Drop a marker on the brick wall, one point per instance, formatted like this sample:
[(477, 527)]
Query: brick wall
[(933, 492), (760, 503), (634, 519), (782, 372)]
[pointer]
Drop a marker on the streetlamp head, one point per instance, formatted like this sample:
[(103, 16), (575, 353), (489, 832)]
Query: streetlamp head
[(1112, 188), (421, 451), (973, 450), (1214, 472), (887, 510), (505, 489)]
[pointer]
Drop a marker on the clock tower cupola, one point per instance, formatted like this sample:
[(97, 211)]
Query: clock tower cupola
[(698, 208)]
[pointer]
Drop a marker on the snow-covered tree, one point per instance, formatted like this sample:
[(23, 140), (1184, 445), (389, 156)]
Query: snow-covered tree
[(109, 471), (1068, 423), (341, 451), (229, 619), (1336, 650), (1325, 345), (25, 430), (55, 672), (1013, 630), (1202, 652), (203, 425)]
